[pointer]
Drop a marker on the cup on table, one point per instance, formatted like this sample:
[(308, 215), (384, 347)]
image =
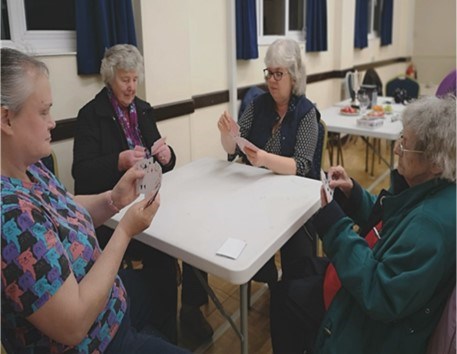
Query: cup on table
[(364, 101)]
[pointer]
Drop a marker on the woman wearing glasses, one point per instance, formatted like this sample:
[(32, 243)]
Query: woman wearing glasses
[(383, 292), (283, 124)]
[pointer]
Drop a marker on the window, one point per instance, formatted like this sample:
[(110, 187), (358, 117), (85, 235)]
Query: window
[(374, 18), (39, 26), (281, 18)]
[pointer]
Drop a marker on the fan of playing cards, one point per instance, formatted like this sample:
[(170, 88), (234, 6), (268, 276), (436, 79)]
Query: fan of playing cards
[(241, 142), (327, 189), (152, 180)]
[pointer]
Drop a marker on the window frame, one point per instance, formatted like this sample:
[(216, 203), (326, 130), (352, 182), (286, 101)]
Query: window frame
[(299, 36), (36, 42), (373, 32)]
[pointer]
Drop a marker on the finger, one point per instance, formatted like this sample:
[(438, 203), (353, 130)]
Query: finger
[(135, 173), (139, 154), (162, 148)]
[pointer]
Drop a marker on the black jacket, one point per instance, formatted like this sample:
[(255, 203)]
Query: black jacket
[(99, 139)]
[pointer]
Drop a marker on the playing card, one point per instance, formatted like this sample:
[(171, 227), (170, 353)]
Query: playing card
[(243, 143), (152, 180), (158, 143), (328, 190)]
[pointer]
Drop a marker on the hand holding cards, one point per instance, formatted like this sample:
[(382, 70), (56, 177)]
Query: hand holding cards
[(152, 180), (157, 144), (244, 143), (325, 183)]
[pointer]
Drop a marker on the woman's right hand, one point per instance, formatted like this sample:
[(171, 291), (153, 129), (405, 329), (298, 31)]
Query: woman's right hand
[(128, 158), (338, 178), (139, 216), (226, 123)]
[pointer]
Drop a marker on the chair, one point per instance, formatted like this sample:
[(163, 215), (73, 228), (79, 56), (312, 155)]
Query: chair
[(248, 97), (51, 163), (442, 340), (402, 82), (318, 158), (447, 85)]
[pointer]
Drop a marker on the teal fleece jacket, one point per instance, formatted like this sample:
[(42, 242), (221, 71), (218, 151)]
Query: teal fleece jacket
[(392, 296)]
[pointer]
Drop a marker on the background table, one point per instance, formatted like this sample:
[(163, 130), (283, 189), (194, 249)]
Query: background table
[(208, 201), (390, 130)]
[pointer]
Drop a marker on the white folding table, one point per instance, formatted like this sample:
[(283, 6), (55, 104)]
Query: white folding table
[(208, 201)]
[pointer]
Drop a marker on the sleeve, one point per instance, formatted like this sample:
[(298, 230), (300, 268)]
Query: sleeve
[(94, 166), (306, 142), (34, 261)]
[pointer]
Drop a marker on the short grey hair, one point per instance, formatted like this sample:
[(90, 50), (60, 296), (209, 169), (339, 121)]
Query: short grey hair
[(286, 53), (17, 76), (432, 121), (124, 57)]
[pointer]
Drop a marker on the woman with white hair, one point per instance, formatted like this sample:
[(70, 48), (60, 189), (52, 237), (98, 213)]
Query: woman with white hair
[(114, 131), (385, 287), (283, 124)]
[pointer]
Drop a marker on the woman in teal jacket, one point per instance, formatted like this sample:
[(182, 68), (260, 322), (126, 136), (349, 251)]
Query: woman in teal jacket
[(395, 280)]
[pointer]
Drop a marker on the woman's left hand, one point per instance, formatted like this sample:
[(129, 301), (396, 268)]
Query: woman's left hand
[(257, 158), (124, 192), (163, 154)]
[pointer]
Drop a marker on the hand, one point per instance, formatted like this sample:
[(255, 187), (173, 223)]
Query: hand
[(227, 125), (124, 192), (128, 158), (338, 178), (139, 216), (257, 158), (163, 154)]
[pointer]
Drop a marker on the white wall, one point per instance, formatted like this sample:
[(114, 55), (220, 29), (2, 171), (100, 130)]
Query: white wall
[(186, 53), (434, 39)]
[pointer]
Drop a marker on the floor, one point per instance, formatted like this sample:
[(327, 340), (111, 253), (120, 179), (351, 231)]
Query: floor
[(225, 340)]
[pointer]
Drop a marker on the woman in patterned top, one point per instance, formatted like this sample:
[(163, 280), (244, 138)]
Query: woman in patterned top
[(283, 124), (59, 291)]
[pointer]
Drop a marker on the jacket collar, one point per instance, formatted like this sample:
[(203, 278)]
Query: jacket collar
[(402, 197)]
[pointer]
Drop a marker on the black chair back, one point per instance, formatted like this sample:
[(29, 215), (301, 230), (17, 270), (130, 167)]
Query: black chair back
[(403, 83)]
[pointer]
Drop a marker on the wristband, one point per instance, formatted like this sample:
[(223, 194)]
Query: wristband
[(111, 205)]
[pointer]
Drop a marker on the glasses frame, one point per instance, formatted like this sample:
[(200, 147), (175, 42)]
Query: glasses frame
[(402, 150), (277, 75)]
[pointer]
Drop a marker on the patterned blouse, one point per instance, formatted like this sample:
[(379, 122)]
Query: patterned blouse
[(46, 236), (305, 144)]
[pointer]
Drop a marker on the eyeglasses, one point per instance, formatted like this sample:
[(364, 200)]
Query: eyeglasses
[(277, 75), (402, 150)]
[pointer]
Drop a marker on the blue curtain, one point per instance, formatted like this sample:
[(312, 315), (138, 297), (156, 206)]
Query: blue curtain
[(386, 22), (361, 24), (316, 25), (100, 24), (246, 30)]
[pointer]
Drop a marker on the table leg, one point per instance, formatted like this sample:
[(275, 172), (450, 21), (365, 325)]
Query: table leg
[(392, 146), (244, 318)]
